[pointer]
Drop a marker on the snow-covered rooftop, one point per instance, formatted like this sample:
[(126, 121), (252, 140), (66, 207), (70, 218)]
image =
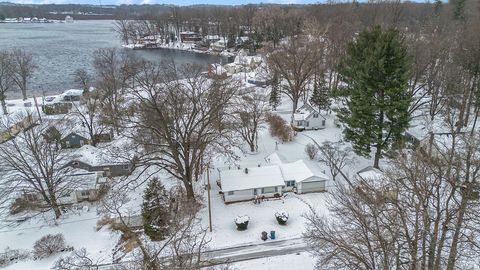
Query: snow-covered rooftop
[(299, 171), (257, 177), (370, 173)]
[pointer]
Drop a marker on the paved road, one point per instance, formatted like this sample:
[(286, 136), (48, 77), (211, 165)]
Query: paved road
[(244, 252), (255, 251)]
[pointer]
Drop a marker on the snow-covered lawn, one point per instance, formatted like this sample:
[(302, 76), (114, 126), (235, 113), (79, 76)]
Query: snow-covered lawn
[(303, 261), (78, 228)]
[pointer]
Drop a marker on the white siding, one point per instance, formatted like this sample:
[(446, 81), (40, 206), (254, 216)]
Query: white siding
[(316, 186), (239, 195)]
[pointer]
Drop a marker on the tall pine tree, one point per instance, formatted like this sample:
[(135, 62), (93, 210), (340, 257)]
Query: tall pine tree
[(320, 96), (155, 210), (274, 100), (375, 71)]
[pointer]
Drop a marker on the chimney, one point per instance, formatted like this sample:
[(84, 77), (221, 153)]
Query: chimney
[(246, 170)]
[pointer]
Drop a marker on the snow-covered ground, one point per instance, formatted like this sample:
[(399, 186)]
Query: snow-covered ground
[(79, 227), (303, 261)]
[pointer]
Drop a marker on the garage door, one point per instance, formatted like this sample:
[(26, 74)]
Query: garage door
[(313, 186)]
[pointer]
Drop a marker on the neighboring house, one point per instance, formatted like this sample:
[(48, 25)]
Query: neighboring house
[(190, 37), (271, 180), (56, 108), (91, 159), (220, 45), (233, 68), (14, 129), (370, 173), (72, 95), (306, 117), (88, 188), (103, 137), (217, 71), (73, 140), (107, 170), (421, 135), (52, 135)]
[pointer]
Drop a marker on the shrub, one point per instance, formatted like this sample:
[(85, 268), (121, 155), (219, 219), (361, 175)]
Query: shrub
[(282, 217), (311, 150), (9, 256), (48, 245), (242, 222), (278, 127)]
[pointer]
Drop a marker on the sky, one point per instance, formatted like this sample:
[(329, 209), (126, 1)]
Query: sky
[(175, 2)]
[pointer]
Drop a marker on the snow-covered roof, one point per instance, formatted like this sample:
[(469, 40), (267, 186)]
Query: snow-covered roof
[(299, 171), (187, 33), (275, 158), (370, 173), (218, 69), (73, 92), (304, 112), (257, 177), (270, 175)]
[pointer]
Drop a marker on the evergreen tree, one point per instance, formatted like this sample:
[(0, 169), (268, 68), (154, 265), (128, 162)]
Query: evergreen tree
[(375, 71), (320, 96), (275, 93), (155, 210), (458, 9)]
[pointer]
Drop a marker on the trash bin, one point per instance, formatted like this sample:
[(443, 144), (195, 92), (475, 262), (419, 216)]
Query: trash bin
[(272, 235)]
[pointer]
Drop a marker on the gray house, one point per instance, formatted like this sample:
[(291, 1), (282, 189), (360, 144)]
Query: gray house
[(108, 170), (73, 140)]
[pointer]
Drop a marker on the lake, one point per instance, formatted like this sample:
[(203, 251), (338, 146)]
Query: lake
[(61, 48)]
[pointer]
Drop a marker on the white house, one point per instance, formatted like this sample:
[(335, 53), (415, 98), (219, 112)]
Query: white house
[(220, 45), (245, 184), (306, 117), (275, 178)]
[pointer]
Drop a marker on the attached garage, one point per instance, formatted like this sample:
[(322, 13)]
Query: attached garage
[(314, 186)]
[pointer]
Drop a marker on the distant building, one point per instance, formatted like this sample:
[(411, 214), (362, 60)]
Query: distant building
[(306, 117), (72, 95), (190, 37), (73, 140), (68, 19)]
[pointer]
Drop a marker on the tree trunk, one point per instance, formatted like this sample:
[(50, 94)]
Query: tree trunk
[(4, 106), (189, 188), (378, 154), (55, 207), (24, 89)]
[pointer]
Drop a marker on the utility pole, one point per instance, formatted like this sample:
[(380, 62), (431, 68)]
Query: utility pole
[(209, 200), (36, 106)]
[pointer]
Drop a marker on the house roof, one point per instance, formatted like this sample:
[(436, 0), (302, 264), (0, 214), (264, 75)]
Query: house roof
[(257, 177), (370, 173), (304, 112), (299, 171), (268, 176), (73, 92)]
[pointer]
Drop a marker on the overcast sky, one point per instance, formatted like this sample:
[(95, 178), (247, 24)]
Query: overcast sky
[(176, 2)]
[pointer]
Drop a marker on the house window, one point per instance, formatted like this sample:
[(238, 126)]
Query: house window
[(255, 191), (230, 193), (315, 115), (307, 123), (323, 122), (269, 190), (290, 183), (299, 123), (85, 193)]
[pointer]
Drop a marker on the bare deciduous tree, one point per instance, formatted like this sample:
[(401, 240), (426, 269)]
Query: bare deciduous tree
[(30, 164), (178, 117), (295, 61), (250, 109), (82, 77), (6, 78), (23, 68), (335, 157)]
